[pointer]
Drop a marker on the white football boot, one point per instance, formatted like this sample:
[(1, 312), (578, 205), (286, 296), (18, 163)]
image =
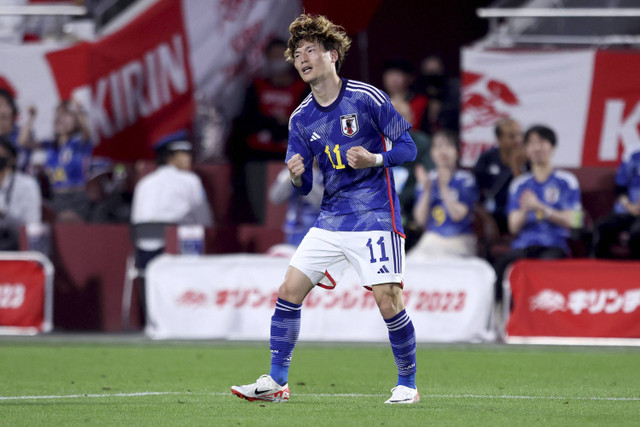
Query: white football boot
[(265, 388), (403, 394)]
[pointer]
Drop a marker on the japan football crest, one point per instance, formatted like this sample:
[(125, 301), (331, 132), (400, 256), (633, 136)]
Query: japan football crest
[(551, 194), (349, 124)]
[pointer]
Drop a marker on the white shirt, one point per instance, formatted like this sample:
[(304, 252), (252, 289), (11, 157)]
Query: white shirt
[(20, 200), (171, 195)]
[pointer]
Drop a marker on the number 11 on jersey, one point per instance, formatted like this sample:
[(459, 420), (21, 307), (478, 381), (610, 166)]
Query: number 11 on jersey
[(338, 164)]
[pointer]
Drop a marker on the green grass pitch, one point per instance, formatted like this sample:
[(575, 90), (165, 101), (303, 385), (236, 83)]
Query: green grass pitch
[(68, 381)]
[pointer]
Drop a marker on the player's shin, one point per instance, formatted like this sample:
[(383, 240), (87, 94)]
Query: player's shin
[(285, 328), (403, 343)]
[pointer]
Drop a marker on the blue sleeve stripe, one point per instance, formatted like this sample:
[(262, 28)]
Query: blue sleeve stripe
[(376, 94), (378, 103), (363, 85), (299, 108), (303, 104)]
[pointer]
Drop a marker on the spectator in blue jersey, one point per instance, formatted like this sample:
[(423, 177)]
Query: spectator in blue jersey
[(544, 205), (351, 129), (445, 203), (21, 137), (66, 163), (626, 211), (302, 211)]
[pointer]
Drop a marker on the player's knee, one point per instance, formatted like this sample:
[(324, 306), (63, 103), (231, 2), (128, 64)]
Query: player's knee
[(294, 291), (389, 300)]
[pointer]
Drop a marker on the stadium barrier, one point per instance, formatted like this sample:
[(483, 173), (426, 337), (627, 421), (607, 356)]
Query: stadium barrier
[(579, 301), (233, 296), (26, 293)]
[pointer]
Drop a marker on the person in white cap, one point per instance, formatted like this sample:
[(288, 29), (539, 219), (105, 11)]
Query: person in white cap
[(172, 193)]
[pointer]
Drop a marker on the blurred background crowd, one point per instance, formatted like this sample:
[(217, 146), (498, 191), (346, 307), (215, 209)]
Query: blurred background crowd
[(511, 203)]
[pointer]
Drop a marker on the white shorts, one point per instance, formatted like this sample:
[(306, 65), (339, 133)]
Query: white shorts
[(377, 256)]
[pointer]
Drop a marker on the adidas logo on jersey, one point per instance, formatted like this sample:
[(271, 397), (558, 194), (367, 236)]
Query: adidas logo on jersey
[(383, 270), (314, 136)]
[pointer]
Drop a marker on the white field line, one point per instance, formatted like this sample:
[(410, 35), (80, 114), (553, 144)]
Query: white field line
[(428, 396)]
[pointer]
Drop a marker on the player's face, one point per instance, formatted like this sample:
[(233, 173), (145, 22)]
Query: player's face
[(539, 150), (443, 152), (313, 62)]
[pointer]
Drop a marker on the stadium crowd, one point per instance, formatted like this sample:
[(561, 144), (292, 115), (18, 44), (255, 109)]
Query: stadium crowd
[(513, 203)]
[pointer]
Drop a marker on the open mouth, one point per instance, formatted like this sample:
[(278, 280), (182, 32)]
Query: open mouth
[(306, 70)]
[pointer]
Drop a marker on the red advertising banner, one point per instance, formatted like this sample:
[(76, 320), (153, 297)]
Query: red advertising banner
[(25, 294), (136, 83), (591, 98), (574, 298), (612, 126)]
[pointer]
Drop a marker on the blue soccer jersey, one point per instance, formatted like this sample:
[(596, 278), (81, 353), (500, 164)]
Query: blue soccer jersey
[(560, 191), (67, 166), (362, 115), (628, 176), (463, 188)]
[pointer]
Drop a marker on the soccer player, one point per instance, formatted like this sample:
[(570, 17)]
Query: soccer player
[(355, 134)]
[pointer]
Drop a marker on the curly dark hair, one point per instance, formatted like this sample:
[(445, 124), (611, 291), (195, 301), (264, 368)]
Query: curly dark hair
[(317, 28)]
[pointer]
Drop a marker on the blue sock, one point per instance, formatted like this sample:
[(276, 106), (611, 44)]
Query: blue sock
[(285, 328), (403, 343)]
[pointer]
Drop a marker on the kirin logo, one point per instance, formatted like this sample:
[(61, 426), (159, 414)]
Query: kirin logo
[(548, 300), (485, 100)]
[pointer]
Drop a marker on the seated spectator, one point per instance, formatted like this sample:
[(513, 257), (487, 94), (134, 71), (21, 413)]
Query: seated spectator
[(626, 211), (20, 137), (66, 162), (397, 78), (172, 193), (445, 205), (109, 191), (302, 211), (544, 205), (20, 201), (496, 167), (404, 175)]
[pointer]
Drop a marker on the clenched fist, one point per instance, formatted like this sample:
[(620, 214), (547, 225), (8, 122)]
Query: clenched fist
[(296, 169), (360, 158)]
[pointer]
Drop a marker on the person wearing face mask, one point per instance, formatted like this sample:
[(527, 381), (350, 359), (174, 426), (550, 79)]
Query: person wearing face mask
[(261, 130), (443, 93), (445, 204), (20, 200)]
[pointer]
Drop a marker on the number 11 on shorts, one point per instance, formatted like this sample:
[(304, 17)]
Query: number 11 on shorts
[(383, 252)]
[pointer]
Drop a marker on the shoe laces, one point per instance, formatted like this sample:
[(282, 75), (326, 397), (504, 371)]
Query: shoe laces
[(265, 380)]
